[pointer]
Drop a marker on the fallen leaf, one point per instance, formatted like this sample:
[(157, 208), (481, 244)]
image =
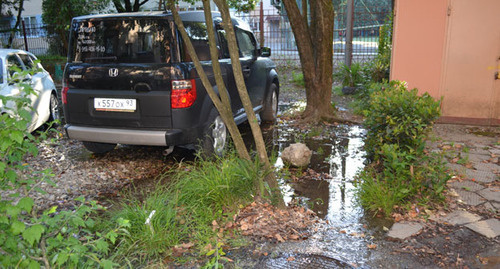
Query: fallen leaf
[(343, 232), (279, 238), (291, 259), (371, 246)]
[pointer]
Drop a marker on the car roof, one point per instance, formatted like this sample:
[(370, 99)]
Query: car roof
[(5, 52), (197, 16)]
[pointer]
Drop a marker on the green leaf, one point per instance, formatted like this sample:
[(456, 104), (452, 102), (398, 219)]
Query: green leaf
[(17, 227), (33, 233), (52, 210), (34, 265), (62, 258), (17, 136), (211, 252), (26, 204), (112, 236), (107, 264), (102, 245)]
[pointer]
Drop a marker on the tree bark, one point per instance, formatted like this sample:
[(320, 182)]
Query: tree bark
[(223, 106), (245, 99), (16, 26), (315, 45)]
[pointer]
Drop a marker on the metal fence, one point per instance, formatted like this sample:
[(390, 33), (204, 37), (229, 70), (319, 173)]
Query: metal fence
[(276, 31), (270, 25)]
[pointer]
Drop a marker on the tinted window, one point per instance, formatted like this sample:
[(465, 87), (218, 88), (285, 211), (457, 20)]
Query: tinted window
[(26, 60), (1, 71), (246, 43), (142, 40), (197, 32), (223, 43), (12, 62)]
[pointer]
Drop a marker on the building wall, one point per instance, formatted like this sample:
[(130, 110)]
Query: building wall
[(451, 49)]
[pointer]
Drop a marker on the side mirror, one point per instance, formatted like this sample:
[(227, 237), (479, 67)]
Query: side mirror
[(265, 52)]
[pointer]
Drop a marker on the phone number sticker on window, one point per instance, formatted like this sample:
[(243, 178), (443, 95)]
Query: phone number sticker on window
[(115, 104)]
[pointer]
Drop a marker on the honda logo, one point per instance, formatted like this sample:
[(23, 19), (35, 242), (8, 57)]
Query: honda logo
[(113, 72)]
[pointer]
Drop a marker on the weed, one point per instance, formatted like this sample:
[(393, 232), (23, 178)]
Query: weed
[(298, 78)]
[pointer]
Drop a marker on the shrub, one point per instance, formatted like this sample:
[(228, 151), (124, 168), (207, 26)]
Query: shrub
[(399, 116), (400, 179), (29, 237)]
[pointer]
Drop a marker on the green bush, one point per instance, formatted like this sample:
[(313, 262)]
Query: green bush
[(298, 78), (399, 116), (31, 237), (401, 178), (351, 77)]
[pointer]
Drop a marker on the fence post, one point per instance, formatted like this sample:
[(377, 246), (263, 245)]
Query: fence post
[(24, 34), (261, 24), (349, 33)]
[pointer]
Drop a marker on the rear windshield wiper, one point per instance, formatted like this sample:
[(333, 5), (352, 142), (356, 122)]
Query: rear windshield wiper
[(104, 59)]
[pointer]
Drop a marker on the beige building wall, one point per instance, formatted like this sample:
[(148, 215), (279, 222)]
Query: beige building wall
[(451, 49)]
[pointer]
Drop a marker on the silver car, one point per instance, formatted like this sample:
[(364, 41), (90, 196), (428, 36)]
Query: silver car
[(44, 103)]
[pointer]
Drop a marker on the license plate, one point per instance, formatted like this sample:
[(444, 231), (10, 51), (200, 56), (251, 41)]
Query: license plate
[(115, 104)]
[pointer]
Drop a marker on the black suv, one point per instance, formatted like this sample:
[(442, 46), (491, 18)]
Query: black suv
[(130, 80)]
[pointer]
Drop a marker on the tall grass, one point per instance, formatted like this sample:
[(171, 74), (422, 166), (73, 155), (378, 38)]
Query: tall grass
[(196, 198)]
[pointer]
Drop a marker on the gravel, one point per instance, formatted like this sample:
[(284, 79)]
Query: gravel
[(78, 172)]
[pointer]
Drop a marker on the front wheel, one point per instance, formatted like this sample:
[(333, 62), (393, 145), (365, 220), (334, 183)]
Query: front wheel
[(214, 141), (98, 148), (270, 111), (55, 115)]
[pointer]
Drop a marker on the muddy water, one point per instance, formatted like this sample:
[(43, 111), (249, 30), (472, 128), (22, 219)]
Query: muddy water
[(348, 234)]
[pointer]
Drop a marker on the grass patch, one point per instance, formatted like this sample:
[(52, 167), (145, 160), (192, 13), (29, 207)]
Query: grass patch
[(191, 213)]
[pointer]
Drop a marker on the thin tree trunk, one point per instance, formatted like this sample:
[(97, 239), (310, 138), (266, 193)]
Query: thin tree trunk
[(224, 109), (245, 99), (18, 22)]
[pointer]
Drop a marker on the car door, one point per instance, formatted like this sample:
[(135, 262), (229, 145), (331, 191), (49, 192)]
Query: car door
[(253, 70)]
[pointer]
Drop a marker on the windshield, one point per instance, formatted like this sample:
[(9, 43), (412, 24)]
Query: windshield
[(124, 40)]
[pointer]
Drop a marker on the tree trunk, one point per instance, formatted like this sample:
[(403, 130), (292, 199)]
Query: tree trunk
[(245, 99), (18, 22), (315, 45), (223, 106)]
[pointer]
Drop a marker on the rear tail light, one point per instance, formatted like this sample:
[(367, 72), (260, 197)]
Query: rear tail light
[(64, 92), (183, 93)]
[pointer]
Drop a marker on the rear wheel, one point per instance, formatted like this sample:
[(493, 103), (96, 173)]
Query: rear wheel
[(270, 111), (97, 147), (214, 141)]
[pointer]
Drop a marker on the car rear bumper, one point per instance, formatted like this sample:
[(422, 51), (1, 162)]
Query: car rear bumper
[(126, 136)]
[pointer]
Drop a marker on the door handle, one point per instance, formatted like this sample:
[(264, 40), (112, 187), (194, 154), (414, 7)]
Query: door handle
[(246, 72)]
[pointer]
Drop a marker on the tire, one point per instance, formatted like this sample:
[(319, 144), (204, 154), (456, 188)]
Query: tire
[(54, 109), (215, 136), (98, 148), (270, 111)]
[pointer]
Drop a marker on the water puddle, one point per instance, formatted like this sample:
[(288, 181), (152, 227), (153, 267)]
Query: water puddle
[(348, 233)]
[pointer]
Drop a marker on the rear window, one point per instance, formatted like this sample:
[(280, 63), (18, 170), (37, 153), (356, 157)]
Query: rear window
[(135, 40)]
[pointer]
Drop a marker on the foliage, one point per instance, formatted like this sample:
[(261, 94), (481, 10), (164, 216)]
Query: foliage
[(398, 121), (379, 68), (402, 178), (298, 78), (399, 116), (351, 77), (190, 212), (29, 238), (128, 6)]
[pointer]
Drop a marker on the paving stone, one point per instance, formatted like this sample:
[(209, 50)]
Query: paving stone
[(404, 230), (460, 217), (459, 169), (490, 194), (481, 176), (489, 206), (489, 228), (480, 151), (467, 185), (470, 198), (478, 158), (489, 167), (495, 151)]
